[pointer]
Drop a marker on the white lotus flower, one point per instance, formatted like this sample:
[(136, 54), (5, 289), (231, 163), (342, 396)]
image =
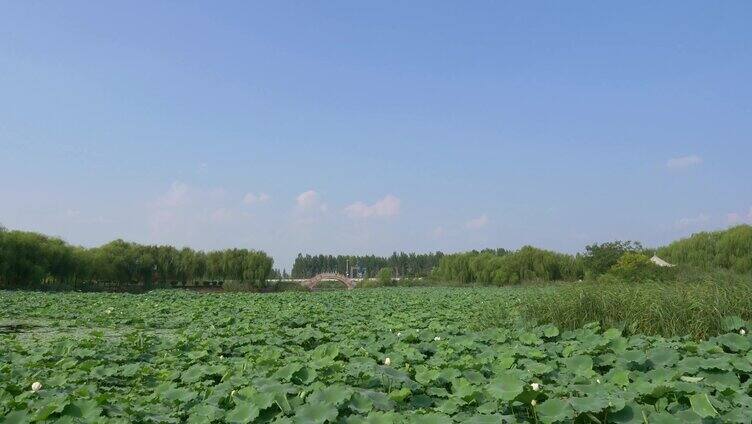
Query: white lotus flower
[(535, 386), (399, 334), (742, 332), (437, 338), (36, 386), (387, 361), (533, 402), (598, 380)]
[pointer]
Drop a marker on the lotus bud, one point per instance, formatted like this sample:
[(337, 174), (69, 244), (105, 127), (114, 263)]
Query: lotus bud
[(36, 386)]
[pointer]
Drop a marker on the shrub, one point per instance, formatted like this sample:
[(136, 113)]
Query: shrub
[(730, 249), (599, 258), (638, 267), (283, 286), (692, 304), (238, 286), (384, 276), (528, 264)]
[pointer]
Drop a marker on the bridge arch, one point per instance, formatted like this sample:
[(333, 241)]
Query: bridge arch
[(314, 281)]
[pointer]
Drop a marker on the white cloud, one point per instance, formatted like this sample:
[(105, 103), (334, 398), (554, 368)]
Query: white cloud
[(251, 198), (221, 215), (692, 221), (162, 220), (477, 223), (310, 200), (186, 209), (384, 208), (683, 162), (738, 218), (177, 195)]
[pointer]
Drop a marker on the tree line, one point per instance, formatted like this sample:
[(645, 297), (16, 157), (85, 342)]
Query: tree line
[(402, 264), (729, 249), (503, 267), (33, 260)]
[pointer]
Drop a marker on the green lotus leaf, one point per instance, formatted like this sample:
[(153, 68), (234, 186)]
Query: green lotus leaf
[(380, 400), (360, 403), (663, 357), (326, 352), (734, 342), (589, 404), (530, 339), (203, 413), (179, 394), (286, 372), (580, 364), (485, 419), (732, 323), (400, 394), (16, 417), (316, 413), (432, 418), (554, 410), (505, 387), (87, 410), (664, 418), (426, 376), (701, 405), (550, 331)]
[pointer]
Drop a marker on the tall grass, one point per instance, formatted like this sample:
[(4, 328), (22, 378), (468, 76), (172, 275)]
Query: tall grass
[(689, 306)]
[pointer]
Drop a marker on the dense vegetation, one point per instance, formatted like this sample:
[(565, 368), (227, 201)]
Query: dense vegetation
[(403, 264), (694, 304), (360, 356), (31, 260), (633, 342), (730, 249), (502, 267)]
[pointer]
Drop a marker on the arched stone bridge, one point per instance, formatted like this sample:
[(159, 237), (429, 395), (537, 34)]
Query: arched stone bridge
[(312, 282)]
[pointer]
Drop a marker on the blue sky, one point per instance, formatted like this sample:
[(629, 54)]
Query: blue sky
[(368, 127)]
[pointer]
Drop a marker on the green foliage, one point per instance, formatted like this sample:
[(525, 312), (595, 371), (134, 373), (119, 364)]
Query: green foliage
[(599, 258), (504, 268), (637, 267), (405, 264), (31, 260), (730, 249), (175, 356), (385, 276), (697, 304)]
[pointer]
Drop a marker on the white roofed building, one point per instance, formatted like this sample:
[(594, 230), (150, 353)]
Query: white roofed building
[(658, 261)]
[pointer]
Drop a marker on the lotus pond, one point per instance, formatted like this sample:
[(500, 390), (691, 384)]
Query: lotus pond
[(393, 355)]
